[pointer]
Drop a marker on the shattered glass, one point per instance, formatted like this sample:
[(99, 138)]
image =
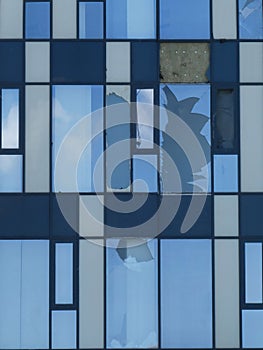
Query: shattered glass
[(250, 19)]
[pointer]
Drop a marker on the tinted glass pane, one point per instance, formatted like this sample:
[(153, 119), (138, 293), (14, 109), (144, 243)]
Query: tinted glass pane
[(131, 19), (145, 172), (184, 19), (253, 270), (250, 19), (37, 20), (145, 118), (91, 20), (10, 118), (186, 293), (131, 309), (70, 105), (64, 329), (189, 149), (64, 273), (226, 173), (11, 173), (252, 324)]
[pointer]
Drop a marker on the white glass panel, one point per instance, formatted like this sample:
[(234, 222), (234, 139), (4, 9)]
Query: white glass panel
[(91, 295), (10, 118), (118, 62), (227, 294), (37, 139), (64, 329), (226, 215), (91, 216), (251, 58), (64, 19), (37, 62), (145, 117), (11, 175), (11, 19), (64, 273), (253, 271), (225, 29)]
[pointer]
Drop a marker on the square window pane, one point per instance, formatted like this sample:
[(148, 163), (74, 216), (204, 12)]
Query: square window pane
[(37, 20), (11, 175), (91, 20)]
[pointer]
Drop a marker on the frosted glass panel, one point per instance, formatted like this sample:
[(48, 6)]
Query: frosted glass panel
[(132, 296), (64, 19), (226, 215), (11, 19), (64, 273), (253, 271), (10, 118), (64, 329), (37, 62), (225, 29), (118, 62), (251, 57)]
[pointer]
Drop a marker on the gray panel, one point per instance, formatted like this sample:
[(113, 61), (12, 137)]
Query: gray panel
[(253, 272), (91, 296), (251, 58), (91, 216), (226, 294), (11, 19), (224, 19), (118, 62), (64, 273), (37, 139), (37, 62), (226, 215), (64, 19)]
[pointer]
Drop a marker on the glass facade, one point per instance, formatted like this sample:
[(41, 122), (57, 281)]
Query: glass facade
[(131, 188)]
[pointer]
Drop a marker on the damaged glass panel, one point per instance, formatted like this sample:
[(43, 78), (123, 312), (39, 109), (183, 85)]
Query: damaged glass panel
[(132, 299), (71, 103), (10, 118), (253, 270), (184, 19), (250, 19), (226, 173), (186, 293), (131, 19), (118, 162), (11, 173), (145, 173), (145, 118), (91, 20), (224, 120), (185, 143), (184, 62)]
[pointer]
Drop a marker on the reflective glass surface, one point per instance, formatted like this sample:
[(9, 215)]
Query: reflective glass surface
[(250, 19), (37, 20), (10, 118), (91, 20)]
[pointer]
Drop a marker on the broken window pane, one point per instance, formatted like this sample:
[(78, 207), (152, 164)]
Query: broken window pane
[(253, 270), (91, 20), (184, 19), (10, 118), (250, 19), (145, 173), (145, 118), (184, 62), (11, 173), (132, 295), (185, 138), (71, 103), (118, 162), (224, 120)]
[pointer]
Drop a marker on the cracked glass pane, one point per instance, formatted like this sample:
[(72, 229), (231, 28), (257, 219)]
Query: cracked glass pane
[(185, 138), (250, 19), (131, 310), (145, 118)]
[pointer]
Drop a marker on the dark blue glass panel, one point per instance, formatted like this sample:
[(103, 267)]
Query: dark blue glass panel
[(37, 20), (225, 61), (145, 62), (91, 20), (79, 62), (184, 19), (12, 61), (251, 223)]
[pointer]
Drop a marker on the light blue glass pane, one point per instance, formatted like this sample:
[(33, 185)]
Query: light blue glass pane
[(250, 19), (186, 294), (225, 173), (70, 105), (10, 118), (64, 273), (132, 296), (37, 20), (145, 173), (145, 117), (191, 103), (11, 173), (252, 325), (131, 19), (253, 269), (91, 20), (35, 295), (184, 19), (64, 329)]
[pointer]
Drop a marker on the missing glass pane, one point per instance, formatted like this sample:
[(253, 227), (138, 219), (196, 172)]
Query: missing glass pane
[(145, 118), (10, 118)]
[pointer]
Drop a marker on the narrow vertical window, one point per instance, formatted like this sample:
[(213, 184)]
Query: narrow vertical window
[(145, 118), (10, 118)]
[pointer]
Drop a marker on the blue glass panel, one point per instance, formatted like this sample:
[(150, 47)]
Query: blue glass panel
[(252, 325), (184, 19), (250, 19), (64, 273), (64, 329), (131, 19), (11, 173), (10, 118), (253, 269), (226, 173), (132, 296), (186, 294), (37, 20), (145, 172), (91, 20)]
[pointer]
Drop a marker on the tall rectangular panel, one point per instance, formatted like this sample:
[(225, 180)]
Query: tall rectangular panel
[(64, 19), (226, 294), (227, 28), (251, 138), (37, 139), (11, 19), (91, 295), (253, 272), (118, 61), (64, 273), (37, 62)]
